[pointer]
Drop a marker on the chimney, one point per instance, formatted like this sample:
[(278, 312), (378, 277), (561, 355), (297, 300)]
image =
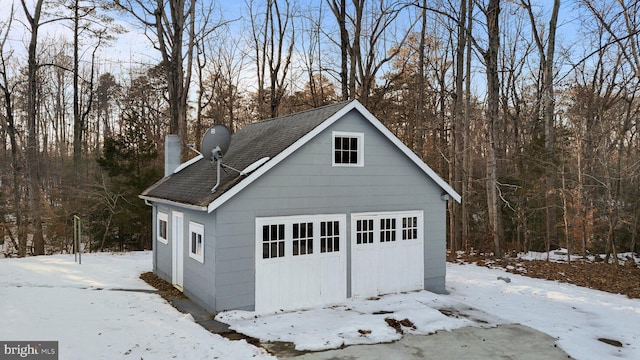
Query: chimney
[(171, 154)]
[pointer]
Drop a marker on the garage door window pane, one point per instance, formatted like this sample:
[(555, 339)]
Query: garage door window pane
[(302, 239), (272, 241), (387, 230), (364, 231), (409, 228), (329, 236)]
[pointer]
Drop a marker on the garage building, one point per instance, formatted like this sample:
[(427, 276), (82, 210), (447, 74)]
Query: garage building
[(312, 208)]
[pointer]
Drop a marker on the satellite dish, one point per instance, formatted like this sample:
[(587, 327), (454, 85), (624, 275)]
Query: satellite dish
[(215, 142)]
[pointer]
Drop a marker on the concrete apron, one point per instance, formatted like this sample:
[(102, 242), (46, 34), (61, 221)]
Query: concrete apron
[(509, 341)]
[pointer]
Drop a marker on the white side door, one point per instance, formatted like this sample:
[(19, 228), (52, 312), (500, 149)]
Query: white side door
[(177, 235)]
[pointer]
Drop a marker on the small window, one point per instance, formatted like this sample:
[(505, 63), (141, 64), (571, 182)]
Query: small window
[(410, 228), (272, 241), (387, 230), (364, 231), (302, 239), (163, 221), (348, 149), (329, 236), (196, 244)]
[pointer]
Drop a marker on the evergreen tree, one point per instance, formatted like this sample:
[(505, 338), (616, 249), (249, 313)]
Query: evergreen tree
[(128, 167)]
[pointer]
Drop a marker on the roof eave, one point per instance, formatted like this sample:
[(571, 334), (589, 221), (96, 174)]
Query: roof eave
[(151, 199)]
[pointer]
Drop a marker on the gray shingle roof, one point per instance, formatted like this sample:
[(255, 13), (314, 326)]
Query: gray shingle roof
[(192, 185)]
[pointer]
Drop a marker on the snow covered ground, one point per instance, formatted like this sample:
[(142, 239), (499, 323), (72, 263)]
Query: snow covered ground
[(89, 309)]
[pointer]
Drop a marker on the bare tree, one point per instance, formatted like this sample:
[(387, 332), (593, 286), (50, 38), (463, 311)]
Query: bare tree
[(88, 22), (9, 123), (313, 51), (490, 55), (273, 35), (619, 25), (339, 10), (220, 94), (32, 158), (171, 24), (547, 69), (369, 48), (456, 225)]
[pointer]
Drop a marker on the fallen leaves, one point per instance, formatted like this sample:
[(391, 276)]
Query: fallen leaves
[(399, 324), (621, 279)]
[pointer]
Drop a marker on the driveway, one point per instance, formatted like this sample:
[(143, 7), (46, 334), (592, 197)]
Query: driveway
[(507, 341), (512, 341)]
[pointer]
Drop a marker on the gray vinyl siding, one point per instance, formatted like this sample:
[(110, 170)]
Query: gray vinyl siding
[(435, 219), (198, 281), (235, 250), (306, 184), (199, 284), (162, 252)]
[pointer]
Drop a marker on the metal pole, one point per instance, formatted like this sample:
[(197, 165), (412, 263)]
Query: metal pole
[(75, 239), (79, 241), (77, 235)]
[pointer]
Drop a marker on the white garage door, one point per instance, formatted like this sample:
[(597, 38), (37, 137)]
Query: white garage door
[(300, 261), (387, 253)]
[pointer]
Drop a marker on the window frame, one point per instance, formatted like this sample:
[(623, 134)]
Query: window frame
[(197, 229), (273, 240), (329, 236), (302, 238), (409, 227), (364, 231), (388, 229), (360, 148), (162, 217)]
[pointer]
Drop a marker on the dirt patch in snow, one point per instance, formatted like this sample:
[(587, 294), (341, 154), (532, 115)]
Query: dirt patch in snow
[(165, 289)]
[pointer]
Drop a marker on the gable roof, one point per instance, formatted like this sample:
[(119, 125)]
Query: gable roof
[(190, 185)]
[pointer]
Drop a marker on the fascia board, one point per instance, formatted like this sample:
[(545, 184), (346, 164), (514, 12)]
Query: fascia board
[(400, 145), (172, 203)]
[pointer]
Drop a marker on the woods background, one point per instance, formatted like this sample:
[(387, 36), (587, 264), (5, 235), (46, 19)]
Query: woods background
[(528, 110)]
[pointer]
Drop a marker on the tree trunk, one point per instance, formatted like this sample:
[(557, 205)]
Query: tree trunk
[(20, 243), (466, 160), (78, 127), (32, 160), (422, 63), (493, 92), (340, 12), (355, 56), (549, 129), (455, 170), (565, 214)]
